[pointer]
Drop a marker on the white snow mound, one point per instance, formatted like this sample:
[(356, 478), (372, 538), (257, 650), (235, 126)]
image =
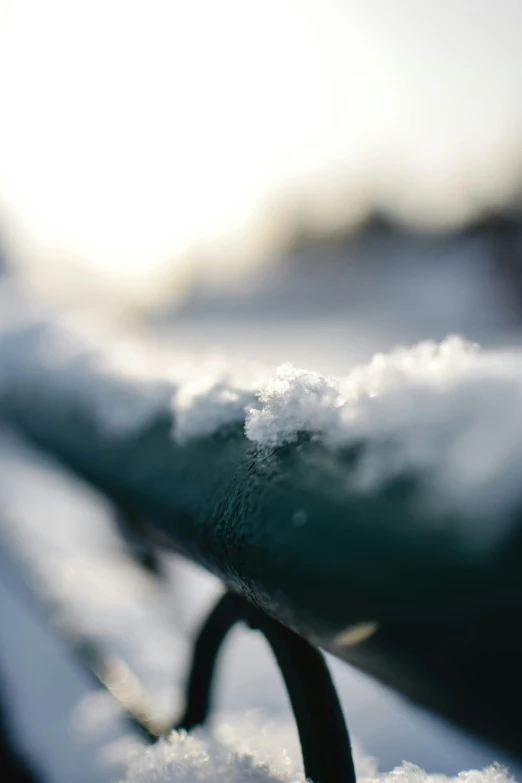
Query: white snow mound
[(449, 413)]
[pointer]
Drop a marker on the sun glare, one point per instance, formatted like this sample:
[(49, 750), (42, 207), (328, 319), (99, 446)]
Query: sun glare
[(145, 143)]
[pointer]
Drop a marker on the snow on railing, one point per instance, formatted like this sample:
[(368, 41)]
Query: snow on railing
[(377, 515)]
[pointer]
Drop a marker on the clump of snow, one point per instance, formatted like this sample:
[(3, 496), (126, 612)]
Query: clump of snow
[(186, 758), (245, 747), (410, 773), (297, 400), (247, 750), (276, 408), (448, 413), (292, 402)]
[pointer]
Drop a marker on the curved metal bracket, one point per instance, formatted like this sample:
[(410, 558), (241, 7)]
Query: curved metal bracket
[(325, 743)]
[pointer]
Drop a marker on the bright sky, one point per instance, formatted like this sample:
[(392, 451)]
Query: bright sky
[(146, 142)]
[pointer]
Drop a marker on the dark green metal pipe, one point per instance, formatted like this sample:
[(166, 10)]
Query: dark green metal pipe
[(433, 617)]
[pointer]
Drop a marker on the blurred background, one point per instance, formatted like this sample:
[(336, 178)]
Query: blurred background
[(286, 180)]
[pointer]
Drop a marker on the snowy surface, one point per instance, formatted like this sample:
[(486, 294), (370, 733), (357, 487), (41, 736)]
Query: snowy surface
[(252, 754), (446, 411), (242, 748), (297, 401)]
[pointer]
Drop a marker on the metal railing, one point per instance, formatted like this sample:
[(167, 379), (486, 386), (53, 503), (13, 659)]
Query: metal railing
[(361, 578)]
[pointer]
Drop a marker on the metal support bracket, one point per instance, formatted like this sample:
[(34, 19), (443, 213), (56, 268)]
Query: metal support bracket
[(325, 743)]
